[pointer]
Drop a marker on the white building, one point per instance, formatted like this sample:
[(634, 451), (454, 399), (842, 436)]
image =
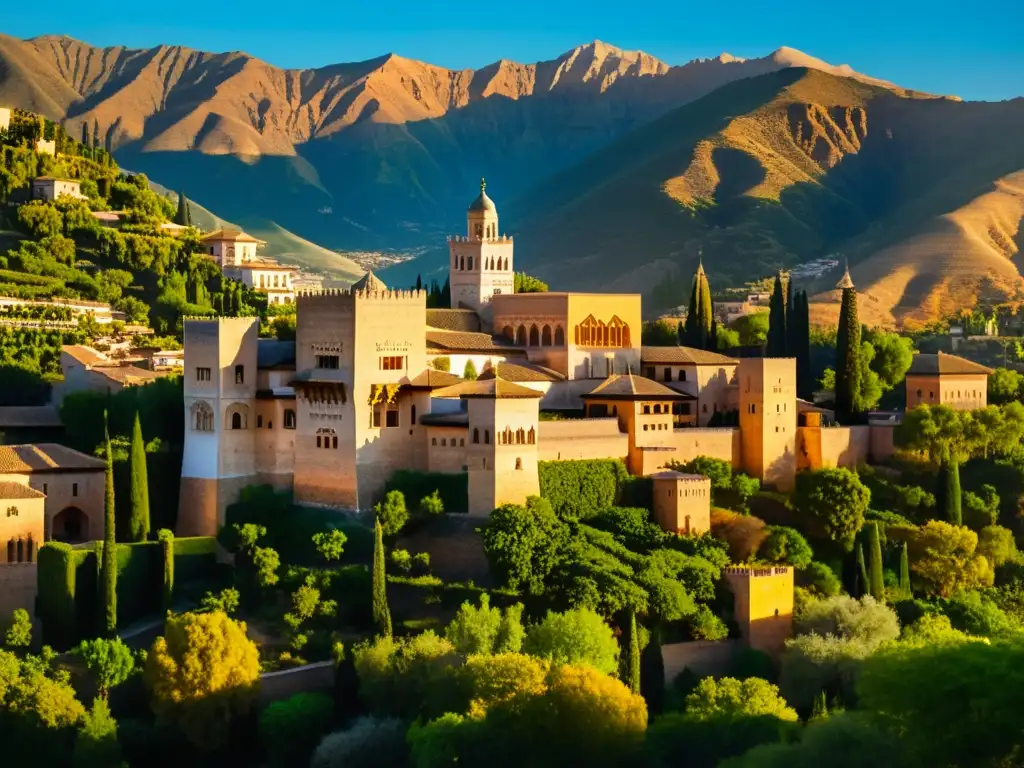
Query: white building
[(5, 118), (50, 188), (266, 277), (230, 247)]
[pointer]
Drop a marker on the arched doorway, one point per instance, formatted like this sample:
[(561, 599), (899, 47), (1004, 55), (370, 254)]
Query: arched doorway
[(71, 526)]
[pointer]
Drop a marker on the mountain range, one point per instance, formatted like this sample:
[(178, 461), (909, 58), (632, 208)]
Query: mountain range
[(613, 169)]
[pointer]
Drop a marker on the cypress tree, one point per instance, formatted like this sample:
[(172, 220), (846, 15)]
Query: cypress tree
[(876, 581), (85, 136), (800, 320), (905, 573), (381, 614), (862, 572), (652, 677), (184, 213), (700, 313), (847, 399), (95, 135), (108, 568), (140, 485), (947, 494), (820, 706), (166, 538), (634, 655), (419, 283), (446, 294), (777, 320)]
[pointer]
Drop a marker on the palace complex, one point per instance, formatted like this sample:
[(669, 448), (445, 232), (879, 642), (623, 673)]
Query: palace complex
[(377, 382)]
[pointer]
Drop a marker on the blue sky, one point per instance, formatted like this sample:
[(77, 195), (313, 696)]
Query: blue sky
[(974, 50)]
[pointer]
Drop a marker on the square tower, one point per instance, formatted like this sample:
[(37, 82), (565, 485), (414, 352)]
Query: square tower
[(501, 452), (763, 607), (768, 419), (356, 353), (220, 413), (480, 264), (682, 502)]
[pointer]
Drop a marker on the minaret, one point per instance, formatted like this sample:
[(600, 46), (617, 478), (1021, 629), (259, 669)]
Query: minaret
[(480, 264)]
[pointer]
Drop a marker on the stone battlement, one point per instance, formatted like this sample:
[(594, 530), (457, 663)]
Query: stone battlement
[(221, 320), (755, 571), (500, 240), (331, 295)]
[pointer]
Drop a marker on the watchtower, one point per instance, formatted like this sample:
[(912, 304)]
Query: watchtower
[(220, 410), (763, 607), (768, 419), (682, 502)]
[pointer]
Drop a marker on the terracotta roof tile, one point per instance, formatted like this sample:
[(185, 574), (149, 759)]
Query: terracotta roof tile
[(234, 235), (496, 388), (521, 372), (627, 386), (945, 365), (683, 356), (434, 379), (84, 355), (461, 341), (12, 490), (44, 457), (465, 320)]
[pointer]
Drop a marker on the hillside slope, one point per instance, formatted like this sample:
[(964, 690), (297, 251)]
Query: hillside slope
[(366, 155), (922, 195)]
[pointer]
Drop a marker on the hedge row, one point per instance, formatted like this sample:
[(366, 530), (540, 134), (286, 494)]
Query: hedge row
[(69, 583), (452, 488), (581, 489)]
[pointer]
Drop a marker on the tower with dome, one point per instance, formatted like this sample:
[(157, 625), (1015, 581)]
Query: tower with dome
[(480, 263)]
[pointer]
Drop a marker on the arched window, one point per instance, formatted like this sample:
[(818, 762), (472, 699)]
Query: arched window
[(289, 418), (534, 336), (476, 435), (433, 441), (237, 416), (412, 414), (30, 550), (470, 263), (559, 337), (545, 336), (326, 438), (487, 437), (202, 417), (519, 463), (531, 436), (520, 436), (462, 263), (10, 551), (444, 442), (509, 333), (21, 550), (521, 336)]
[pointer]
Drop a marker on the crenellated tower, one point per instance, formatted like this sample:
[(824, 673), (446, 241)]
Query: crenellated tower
[(357, 351), (220, 412), (480, 264)]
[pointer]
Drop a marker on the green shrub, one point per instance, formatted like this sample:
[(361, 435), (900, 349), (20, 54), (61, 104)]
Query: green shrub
[(56, 579), (291, 729), (581, 489), (401, 559), (453, 489)]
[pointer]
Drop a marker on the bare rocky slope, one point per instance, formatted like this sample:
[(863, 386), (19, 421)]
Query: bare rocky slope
[(368, 154), (924, 196)]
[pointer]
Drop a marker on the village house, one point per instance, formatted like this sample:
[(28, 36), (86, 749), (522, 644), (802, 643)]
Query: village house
[(47, 491), (49, 188), (88, 370)]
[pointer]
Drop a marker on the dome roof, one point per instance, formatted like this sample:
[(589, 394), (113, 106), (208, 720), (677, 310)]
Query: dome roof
[(482, 202), (369, 282)]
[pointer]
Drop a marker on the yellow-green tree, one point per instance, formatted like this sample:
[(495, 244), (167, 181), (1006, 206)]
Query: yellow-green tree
[(202, 674), (943, 557)]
